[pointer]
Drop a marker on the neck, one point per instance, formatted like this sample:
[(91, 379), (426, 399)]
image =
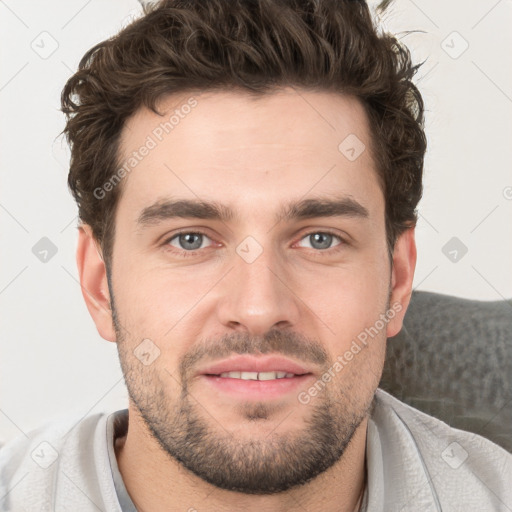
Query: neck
[(155, 481)]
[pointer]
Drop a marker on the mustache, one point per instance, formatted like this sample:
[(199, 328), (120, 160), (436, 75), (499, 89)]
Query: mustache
[(276, 341)]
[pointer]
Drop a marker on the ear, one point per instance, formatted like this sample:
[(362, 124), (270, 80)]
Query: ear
[(402, 274), (93, 281)]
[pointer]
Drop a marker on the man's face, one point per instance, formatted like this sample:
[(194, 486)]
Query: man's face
[(208, 322)]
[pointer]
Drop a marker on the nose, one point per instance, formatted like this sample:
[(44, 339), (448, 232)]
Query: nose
[(258, 296)]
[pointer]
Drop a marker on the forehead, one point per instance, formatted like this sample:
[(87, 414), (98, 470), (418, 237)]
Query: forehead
[(245, 150)]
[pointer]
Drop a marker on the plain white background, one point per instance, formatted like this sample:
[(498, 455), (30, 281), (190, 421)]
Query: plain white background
[(52, 360)]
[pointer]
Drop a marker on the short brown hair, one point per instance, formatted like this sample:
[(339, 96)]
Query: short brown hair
[(255, 46)]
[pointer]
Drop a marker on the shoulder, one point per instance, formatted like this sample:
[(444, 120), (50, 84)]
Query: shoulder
[(431, 431), (460, 467), (37, 468)]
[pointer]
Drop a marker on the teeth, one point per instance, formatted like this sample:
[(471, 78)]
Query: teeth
[(249, 375), (257, 375), (268, 375), (233, 375)]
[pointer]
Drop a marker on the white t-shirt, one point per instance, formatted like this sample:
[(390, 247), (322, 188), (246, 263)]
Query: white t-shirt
[(415, 463)]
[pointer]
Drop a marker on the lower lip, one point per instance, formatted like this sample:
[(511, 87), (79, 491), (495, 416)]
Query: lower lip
[(257, 389)]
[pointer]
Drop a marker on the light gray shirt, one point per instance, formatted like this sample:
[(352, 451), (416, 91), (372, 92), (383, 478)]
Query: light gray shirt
[(414, 462)]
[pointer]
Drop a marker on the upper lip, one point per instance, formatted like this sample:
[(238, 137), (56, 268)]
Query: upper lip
[(245, 363)]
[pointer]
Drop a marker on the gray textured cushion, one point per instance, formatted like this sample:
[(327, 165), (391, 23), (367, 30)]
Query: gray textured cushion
[(453, 360)]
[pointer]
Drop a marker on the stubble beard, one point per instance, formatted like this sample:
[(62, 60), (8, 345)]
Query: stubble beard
[(249, 465)]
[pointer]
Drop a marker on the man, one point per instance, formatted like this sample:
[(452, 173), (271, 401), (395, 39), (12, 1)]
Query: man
[(247, 176)]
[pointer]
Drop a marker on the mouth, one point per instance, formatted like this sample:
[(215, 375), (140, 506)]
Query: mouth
[(258, 378), (256, 375)]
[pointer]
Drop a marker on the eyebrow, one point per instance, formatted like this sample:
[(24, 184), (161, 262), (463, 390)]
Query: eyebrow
[(212, 210)]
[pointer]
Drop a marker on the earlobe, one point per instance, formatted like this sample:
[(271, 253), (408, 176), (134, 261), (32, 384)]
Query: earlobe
[(93, 281), (402, 274)]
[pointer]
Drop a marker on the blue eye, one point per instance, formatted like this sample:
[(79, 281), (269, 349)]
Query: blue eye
[(322, 240), (188, 241)]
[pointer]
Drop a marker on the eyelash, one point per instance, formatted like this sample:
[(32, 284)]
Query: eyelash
[(318, 252)]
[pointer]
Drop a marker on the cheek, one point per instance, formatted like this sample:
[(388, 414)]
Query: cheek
[(355, 312), (348, 300), (163, 304)]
